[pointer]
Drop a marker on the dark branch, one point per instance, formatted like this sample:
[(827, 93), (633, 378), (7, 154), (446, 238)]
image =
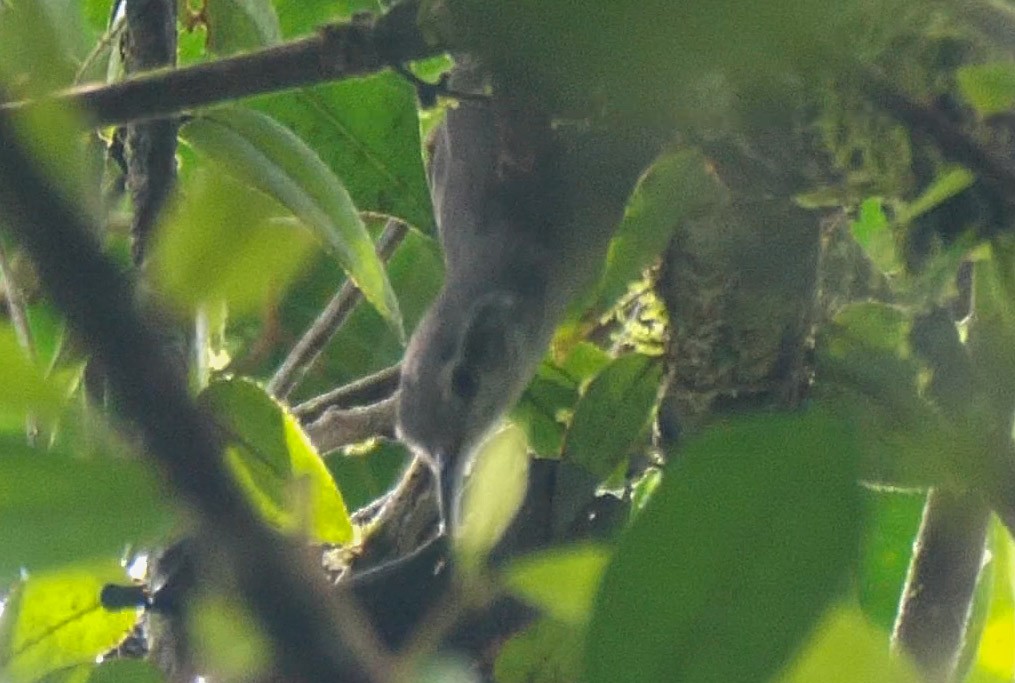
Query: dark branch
[(369, 389), (359, 47), (180, 440)]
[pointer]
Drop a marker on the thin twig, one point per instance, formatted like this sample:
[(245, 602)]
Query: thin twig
[(362, 391), (308, 349), (337, 428), (342, 50)]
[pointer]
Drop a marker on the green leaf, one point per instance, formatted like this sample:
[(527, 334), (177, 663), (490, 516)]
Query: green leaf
[(265, 154), (55, 508), (275, 463), (612, 413), (735, 557), (26, 389), (994, 660), (676, 187), (54, 620), (240, 25), (949, 182), (873, 232), (990, 88), (845, 648), (546, 652), (367, 131), (220, 247), (493, 493), (126, 671), (561, 582)]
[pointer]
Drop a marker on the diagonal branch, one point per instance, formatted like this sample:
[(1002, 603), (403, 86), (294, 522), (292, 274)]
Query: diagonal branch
[(364, 45), (179, 439)]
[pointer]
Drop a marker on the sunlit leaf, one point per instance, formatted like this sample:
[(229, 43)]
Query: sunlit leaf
[(493, 493), (990, 88), (221, 247), (994, 659), (54, 619), (562, 583), (229, 643), (846, 648), (736, 556), (873, 232), (265, 154), (612, 413), (276, 464), (26, 389), (55, 508)]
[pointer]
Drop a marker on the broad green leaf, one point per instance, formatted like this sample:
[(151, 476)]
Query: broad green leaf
[(734, 559), (228, 641), (240, 25), (549, 398), (55, 508), (34, 55), (990, 88), (676, 187), (26, 389), (546, 652), (612, 413), (126, 671), (54, 620), (493, 493), (367, 131), (846, 648), (561, 582), (275, 463), (265, 154), (220, 246), (366, 476)]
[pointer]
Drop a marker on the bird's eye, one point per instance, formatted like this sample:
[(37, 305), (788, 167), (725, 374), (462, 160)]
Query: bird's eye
[(464, 382)]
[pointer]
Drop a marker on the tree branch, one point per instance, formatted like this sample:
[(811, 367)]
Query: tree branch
[(180, 440), (331, 319), (361, 46), (369, 389)]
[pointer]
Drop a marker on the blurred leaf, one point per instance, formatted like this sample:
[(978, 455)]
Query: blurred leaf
[(265, 154), (53, 620), (561, 582), (493, 493), (735, 558), (126, 671), (885, 551), (848, 649), (220, 246), (676, 187), (545, 652), (549, 395), (57, 508), (240, 25), (35, 57), (26, 389), (367, 131), (871, 324), (612, 413), (994, 661), (230, 645), (275, 463), (990, 88)]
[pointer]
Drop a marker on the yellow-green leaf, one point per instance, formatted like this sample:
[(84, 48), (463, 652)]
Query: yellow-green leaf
[(275, 463)]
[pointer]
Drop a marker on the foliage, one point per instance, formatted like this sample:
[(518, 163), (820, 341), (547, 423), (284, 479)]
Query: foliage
[(770, 546)]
